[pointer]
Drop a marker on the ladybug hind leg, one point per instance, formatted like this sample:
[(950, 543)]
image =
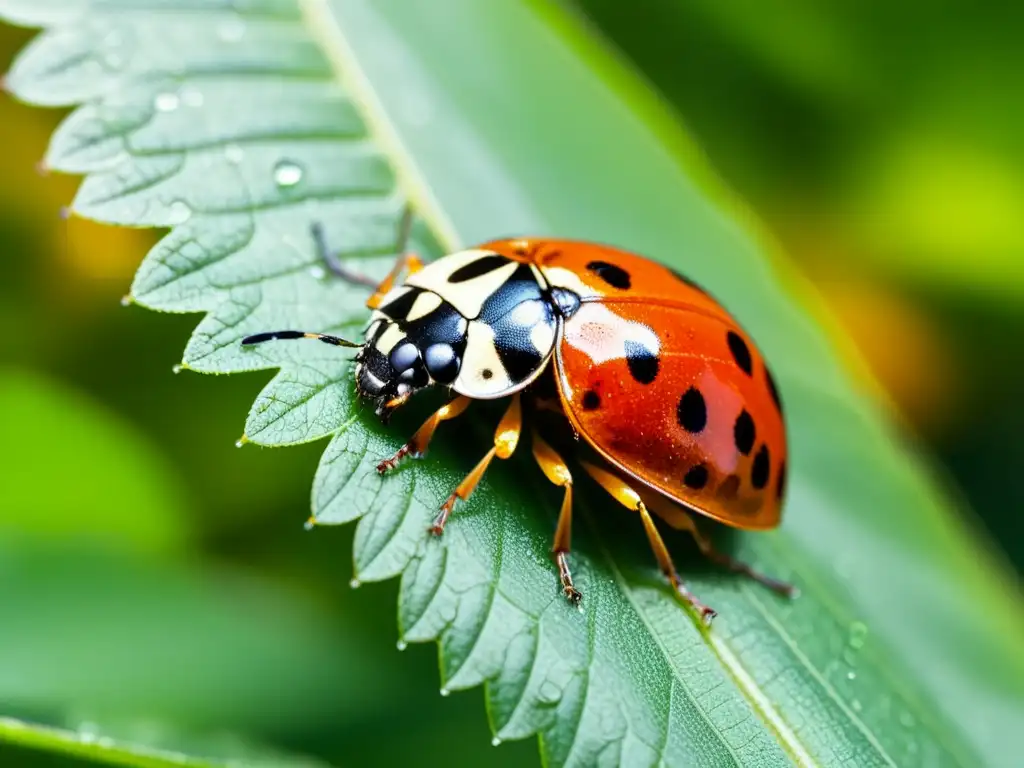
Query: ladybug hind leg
[(681, 520), (630, 499), (418, 443), (506, 438), (555, 469), (406, 262)]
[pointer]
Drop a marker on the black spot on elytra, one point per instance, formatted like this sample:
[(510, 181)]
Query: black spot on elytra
[(743, 432), (780, 489), (762, 467), (642, 362), (692, 412), (729, 487), (772, 389), (697, 477), (740, 352), (591, 400), (615, 276), (477, 267), (487, 373)]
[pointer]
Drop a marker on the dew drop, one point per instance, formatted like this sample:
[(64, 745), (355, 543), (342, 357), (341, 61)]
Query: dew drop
[(318, 272), (234, 154), (178, 368), (231, 30), (856, 705), (166, 102), (126, 300), (549, 693), (401, 645), (88, 732), (287, 173), (496, 742), (444, 692), (191, 97), (851, 675), (355, 583), (310, 524), (239, 443), (178, 212), (858, 634)]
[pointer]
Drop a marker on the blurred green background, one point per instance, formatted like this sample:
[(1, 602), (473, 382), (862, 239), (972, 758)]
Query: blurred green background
[(880, 143)]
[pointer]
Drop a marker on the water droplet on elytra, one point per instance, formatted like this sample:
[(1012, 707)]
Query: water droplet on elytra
[(287, 173), (495, 742), (401, 645), (178, 212), (444, 692), (234, 154), (166, 102)]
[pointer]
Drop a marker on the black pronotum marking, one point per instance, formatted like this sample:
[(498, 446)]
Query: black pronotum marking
[(591, 400), (512, 313), (615, 276), (762, 466), (772, 389), (740, 352), (442, 363), (692, 412), (743, 432), (399, 309), (477, 267), (642, 362), (697, 477)]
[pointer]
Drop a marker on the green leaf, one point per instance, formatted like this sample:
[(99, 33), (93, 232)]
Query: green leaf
[(89, 743), (240, 124)]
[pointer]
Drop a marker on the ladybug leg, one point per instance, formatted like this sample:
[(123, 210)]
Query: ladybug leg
[(630, 499), (680, 520), (405, 262), (418, 443), (506, 437), (557, 472)]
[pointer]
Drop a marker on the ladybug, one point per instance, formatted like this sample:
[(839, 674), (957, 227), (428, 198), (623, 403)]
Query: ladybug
[(674, 403)]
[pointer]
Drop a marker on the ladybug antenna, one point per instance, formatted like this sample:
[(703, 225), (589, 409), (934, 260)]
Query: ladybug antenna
[(336, 341)]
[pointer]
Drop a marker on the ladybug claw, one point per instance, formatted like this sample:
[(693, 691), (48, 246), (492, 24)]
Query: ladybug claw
[(573, 595)]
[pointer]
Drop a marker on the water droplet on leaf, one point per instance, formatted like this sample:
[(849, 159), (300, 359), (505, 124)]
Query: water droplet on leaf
[(444, 692), (355, 583), (401, 645), (234, 154), (318, 273), (851, 675), (287, 173), (858, 634), (178, 212), (191, 97), (496, 742), (549, 693), (166, 102), (856, 705), (126, 300), (177, 368)]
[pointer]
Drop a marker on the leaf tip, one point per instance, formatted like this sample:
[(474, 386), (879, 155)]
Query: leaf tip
[(243, 440)]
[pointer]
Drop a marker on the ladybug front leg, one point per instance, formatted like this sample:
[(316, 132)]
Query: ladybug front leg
[(506, 438), (418, 443), (682, 521), (554, 467), (629, 498)]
